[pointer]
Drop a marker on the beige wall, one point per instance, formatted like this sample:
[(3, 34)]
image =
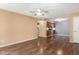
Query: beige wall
[(15, 28), (42, 28)]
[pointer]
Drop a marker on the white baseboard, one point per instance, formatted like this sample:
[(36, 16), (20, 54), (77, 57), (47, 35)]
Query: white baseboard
[(73, 42), (17, 42), (61, 35)]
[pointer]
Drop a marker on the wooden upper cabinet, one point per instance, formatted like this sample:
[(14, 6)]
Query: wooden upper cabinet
[(49, 29)]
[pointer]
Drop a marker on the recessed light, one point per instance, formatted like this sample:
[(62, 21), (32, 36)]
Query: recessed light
[(60, 19)]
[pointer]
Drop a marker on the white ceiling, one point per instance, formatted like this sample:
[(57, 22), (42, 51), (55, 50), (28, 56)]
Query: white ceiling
[(54, 9)]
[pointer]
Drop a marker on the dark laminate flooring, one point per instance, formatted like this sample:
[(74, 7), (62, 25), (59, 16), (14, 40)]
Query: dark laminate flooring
[(43, 46)]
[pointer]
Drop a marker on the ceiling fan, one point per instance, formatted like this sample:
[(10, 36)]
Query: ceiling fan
[(39, 12)]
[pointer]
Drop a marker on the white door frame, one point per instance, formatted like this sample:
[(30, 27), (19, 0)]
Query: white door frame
[(72, 26)]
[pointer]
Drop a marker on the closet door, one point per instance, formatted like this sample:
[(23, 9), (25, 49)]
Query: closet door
[(76, 29)]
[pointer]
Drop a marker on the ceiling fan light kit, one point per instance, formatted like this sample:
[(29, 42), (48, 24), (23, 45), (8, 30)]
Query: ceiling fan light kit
[(39, 12)]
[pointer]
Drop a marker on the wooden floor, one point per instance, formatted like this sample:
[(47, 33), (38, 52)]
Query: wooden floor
[(43, 46)]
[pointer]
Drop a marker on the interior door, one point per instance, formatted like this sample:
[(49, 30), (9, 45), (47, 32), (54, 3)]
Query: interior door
[(76, 29)]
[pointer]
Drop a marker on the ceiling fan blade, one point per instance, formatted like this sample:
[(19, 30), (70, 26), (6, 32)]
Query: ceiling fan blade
[(46, 11), (32, 11)]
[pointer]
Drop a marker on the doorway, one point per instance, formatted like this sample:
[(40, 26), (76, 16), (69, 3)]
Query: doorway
[(75, 29)]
